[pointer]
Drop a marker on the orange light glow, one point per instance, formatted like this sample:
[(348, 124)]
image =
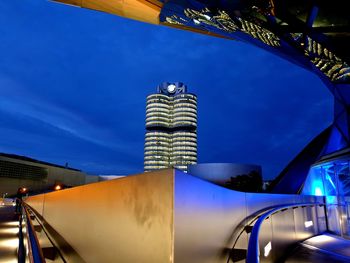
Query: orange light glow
[(58, 187)]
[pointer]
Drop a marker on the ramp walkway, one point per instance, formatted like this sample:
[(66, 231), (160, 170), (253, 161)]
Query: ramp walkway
[(321, 249), (9, 228)]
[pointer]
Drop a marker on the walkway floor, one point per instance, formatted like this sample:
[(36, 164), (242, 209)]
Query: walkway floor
[(324, 248), (8, 234)]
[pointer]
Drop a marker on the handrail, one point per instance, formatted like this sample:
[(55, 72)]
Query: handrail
[(247, 221), (253, 244), (35, 252)]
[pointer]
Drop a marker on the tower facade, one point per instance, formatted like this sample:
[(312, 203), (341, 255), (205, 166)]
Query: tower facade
[(171, 128)]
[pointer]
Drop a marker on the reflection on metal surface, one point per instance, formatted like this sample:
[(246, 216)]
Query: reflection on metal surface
[(203, 18), (327, 62), (221, 21), (260, 33)]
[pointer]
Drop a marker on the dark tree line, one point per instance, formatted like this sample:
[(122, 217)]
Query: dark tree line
[(251, 182)]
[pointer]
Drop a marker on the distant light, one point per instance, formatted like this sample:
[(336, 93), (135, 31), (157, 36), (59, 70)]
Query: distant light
[(58, 187), (308, 224), (267, 249), (196, 21)]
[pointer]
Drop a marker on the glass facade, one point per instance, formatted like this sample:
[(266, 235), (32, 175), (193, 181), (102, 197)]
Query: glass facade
[(332, 180), (171, 128)]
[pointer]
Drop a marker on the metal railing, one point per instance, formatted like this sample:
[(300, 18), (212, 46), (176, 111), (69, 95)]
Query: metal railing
[(253, 254), (29, 248)]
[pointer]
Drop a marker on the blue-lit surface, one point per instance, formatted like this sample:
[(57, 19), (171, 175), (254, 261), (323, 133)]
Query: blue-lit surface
[(332, 180), (343, 179), (215, 209), (314, 183), (317, 188), (329, 180)]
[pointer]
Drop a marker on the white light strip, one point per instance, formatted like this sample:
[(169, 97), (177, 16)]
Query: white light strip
[(308, 224), (267, 249)]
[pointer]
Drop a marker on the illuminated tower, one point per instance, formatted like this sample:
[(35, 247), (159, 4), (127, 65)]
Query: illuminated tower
[(171, 128)]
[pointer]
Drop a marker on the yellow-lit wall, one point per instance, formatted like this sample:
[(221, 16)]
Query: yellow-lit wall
[(123, 220)]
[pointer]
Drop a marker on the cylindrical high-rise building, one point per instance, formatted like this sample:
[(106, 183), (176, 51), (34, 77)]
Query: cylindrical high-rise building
[(171, 128)]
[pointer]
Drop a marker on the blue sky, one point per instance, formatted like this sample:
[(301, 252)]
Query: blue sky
[(73, 85)]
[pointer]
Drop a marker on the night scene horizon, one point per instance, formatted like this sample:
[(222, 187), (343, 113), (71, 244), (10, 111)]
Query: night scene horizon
[(74, 84)]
